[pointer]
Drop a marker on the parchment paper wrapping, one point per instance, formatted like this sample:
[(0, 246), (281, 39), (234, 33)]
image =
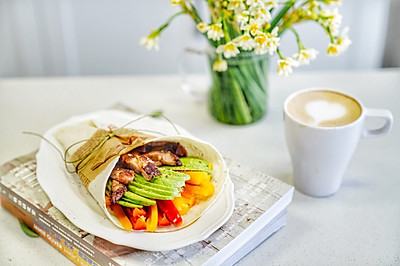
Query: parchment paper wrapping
[(95, 152)]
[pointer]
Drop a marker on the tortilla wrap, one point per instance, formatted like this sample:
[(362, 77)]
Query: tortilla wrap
[(98, 166)]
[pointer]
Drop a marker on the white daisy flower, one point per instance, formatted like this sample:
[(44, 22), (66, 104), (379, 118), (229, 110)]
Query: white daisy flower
[(245, 41), (272, 45), (242, 18), (266, 43), (268, 4), (254, 28), (332, 19), (340, 45), (343, 41), (236, 5), (261, 15), (215, 32), (229, 50), (203, 27), (285, 66), (220, 65), (333, 49), (261, 38), (255, 3), (151, 41), (304, 56), (273, 41)]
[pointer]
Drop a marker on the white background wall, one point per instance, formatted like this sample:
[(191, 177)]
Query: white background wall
[(101, 37)]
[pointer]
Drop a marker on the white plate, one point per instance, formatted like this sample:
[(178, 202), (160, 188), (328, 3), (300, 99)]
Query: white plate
[(68, 194)]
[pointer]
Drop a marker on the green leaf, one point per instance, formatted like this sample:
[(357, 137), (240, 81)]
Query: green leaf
[(27, 230)]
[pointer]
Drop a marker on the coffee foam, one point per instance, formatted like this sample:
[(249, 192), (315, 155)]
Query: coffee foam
[(322, 111), (324, 108)]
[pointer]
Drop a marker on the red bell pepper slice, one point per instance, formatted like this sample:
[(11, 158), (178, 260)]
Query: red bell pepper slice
[(168, 208)]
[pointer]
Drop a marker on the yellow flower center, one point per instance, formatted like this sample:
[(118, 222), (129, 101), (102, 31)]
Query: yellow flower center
[(230, 47), (261, 39), (254, 28), (332, 50)]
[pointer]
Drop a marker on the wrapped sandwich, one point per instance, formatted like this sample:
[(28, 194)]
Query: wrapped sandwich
[(144, 182)]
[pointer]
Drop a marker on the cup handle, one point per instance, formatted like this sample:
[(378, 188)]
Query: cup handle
[(380, 114), (188, 88)]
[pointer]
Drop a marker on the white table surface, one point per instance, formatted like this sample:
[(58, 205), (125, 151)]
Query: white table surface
[(359, 225)]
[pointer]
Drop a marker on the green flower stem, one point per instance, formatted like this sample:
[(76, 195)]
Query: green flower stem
[(242, 112), (216, 99), (162, 27), (192, 11), (252, 95), (239, 95), (301, 46), (278, 51), (226, 31), (328, 30), (258, 73), (281, 13), (213, 11)]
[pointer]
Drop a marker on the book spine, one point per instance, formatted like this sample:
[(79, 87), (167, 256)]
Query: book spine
[(57, 235)]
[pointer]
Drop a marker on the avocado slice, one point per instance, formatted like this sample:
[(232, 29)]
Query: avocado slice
[(190, 164), (171, 193), (149, 194), (141, 180), (129, 204), (137, 199)]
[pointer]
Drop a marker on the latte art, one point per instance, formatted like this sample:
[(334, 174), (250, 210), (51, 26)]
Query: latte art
[(322, 111), (324, 108)]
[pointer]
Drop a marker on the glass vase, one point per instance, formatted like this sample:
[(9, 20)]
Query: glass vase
[(238, 96)]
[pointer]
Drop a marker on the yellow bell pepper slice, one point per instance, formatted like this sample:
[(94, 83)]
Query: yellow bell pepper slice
[(190, 198), (181, 204), (196, 177), (152, 220), (203, 191)]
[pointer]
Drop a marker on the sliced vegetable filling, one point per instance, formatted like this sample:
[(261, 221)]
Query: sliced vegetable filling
[(155, 184)]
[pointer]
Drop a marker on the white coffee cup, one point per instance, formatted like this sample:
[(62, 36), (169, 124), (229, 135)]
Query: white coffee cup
[(322, 130)]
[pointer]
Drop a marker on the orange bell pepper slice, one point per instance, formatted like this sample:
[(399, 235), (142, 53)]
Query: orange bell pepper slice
[(140, 223), (137, 212), (122, 218), (189, 197), (162, 220)]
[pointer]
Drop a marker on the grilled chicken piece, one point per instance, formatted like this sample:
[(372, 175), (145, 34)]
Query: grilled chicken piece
[(166, 146), (163, 158), (117, 191), (122, 175), (140, 164)]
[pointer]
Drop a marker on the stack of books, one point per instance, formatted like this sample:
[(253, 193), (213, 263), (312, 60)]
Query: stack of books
[(261, 203)]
